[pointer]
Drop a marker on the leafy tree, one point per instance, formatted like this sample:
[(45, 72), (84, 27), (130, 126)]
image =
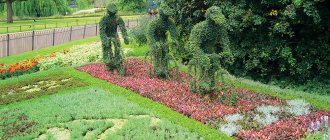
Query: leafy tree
[(10, 9), (132, 5)]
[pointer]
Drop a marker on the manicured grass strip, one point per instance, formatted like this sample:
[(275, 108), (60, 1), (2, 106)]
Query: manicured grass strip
[(159, 109), (38, 86), (320, 101), (45, 51)]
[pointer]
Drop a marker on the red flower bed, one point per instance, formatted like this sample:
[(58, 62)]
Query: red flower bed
[(177, 96), (174, 94)]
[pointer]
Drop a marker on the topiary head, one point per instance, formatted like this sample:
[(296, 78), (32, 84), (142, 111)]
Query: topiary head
[(111, 9), (214, 14), (165, 10)]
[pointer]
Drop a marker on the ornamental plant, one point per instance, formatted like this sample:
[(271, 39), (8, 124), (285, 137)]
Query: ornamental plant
[(157, 40), (17, 69), (75, 56), (113, 55), (206, 56)]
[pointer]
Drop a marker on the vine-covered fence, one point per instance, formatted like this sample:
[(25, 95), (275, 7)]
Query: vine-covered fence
[(17, 43)]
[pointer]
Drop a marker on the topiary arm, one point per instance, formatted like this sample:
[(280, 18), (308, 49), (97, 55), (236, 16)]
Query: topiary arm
[(195, 41), (102, 30), (226, 54), (122, 27), (151, 34), (173, 31)]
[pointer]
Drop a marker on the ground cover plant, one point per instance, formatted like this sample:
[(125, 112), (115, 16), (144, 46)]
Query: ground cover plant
[(86, 113), (38, 86), (254, 115)]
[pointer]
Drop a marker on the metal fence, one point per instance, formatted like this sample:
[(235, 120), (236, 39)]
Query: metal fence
[(17, 43)]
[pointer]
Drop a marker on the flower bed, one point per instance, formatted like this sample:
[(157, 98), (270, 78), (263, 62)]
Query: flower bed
[(255, 115), (76, 56), (27, 66)]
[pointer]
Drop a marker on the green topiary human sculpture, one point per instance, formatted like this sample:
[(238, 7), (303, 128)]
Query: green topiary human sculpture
[(113, 57), (157, 40), (209, 47)]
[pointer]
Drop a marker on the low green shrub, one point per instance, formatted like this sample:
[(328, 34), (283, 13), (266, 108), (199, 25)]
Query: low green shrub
[(139, 33), (37, 86)]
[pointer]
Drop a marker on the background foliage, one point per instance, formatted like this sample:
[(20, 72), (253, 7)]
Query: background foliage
[(271, 40)]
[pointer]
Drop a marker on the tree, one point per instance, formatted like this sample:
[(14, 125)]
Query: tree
[(9, 9)]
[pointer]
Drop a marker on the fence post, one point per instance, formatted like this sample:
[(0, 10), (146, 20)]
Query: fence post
[(8, 43), (33, 35), (71, 33), (20, 28), (45, 26), (7, 29), (128, 24), (84, 31), (54, 37), (96, 29)]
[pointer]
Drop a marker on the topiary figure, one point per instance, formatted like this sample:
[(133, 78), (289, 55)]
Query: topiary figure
[(113, 57), (157, 40), (207, 56)]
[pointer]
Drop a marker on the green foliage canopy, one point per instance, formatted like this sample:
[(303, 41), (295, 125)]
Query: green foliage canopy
[(286, 39)]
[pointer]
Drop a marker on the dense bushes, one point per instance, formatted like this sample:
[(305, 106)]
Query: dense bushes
[(139, 33), (270, 39)]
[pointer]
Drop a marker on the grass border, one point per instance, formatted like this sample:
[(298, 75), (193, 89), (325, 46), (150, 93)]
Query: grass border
[(320, 101)]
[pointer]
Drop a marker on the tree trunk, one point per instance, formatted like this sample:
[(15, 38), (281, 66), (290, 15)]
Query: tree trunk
[(10, 11)]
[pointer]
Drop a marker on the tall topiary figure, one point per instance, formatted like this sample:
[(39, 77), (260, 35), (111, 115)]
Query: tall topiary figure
[(157, 40), (113, 56), (209, 47)]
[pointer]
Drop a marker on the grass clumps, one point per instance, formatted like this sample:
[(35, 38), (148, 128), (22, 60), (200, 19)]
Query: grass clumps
[(35, 87), (91, 113)]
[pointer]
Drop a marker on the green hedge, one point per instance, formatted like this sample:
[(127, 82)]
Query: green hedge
[(282, 40)]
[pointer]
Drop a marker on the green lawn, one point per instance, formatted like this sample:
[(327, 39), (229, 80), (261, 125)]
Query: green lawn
[(39, 24), (87, 114)]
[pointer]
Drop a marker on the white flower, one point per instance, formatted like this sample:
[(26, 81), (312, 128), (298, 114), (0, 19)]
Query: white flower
[(233, 117), (265, 119), (77, 56), (297, 107), (266, 115), (268, 109), (230, 129)]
